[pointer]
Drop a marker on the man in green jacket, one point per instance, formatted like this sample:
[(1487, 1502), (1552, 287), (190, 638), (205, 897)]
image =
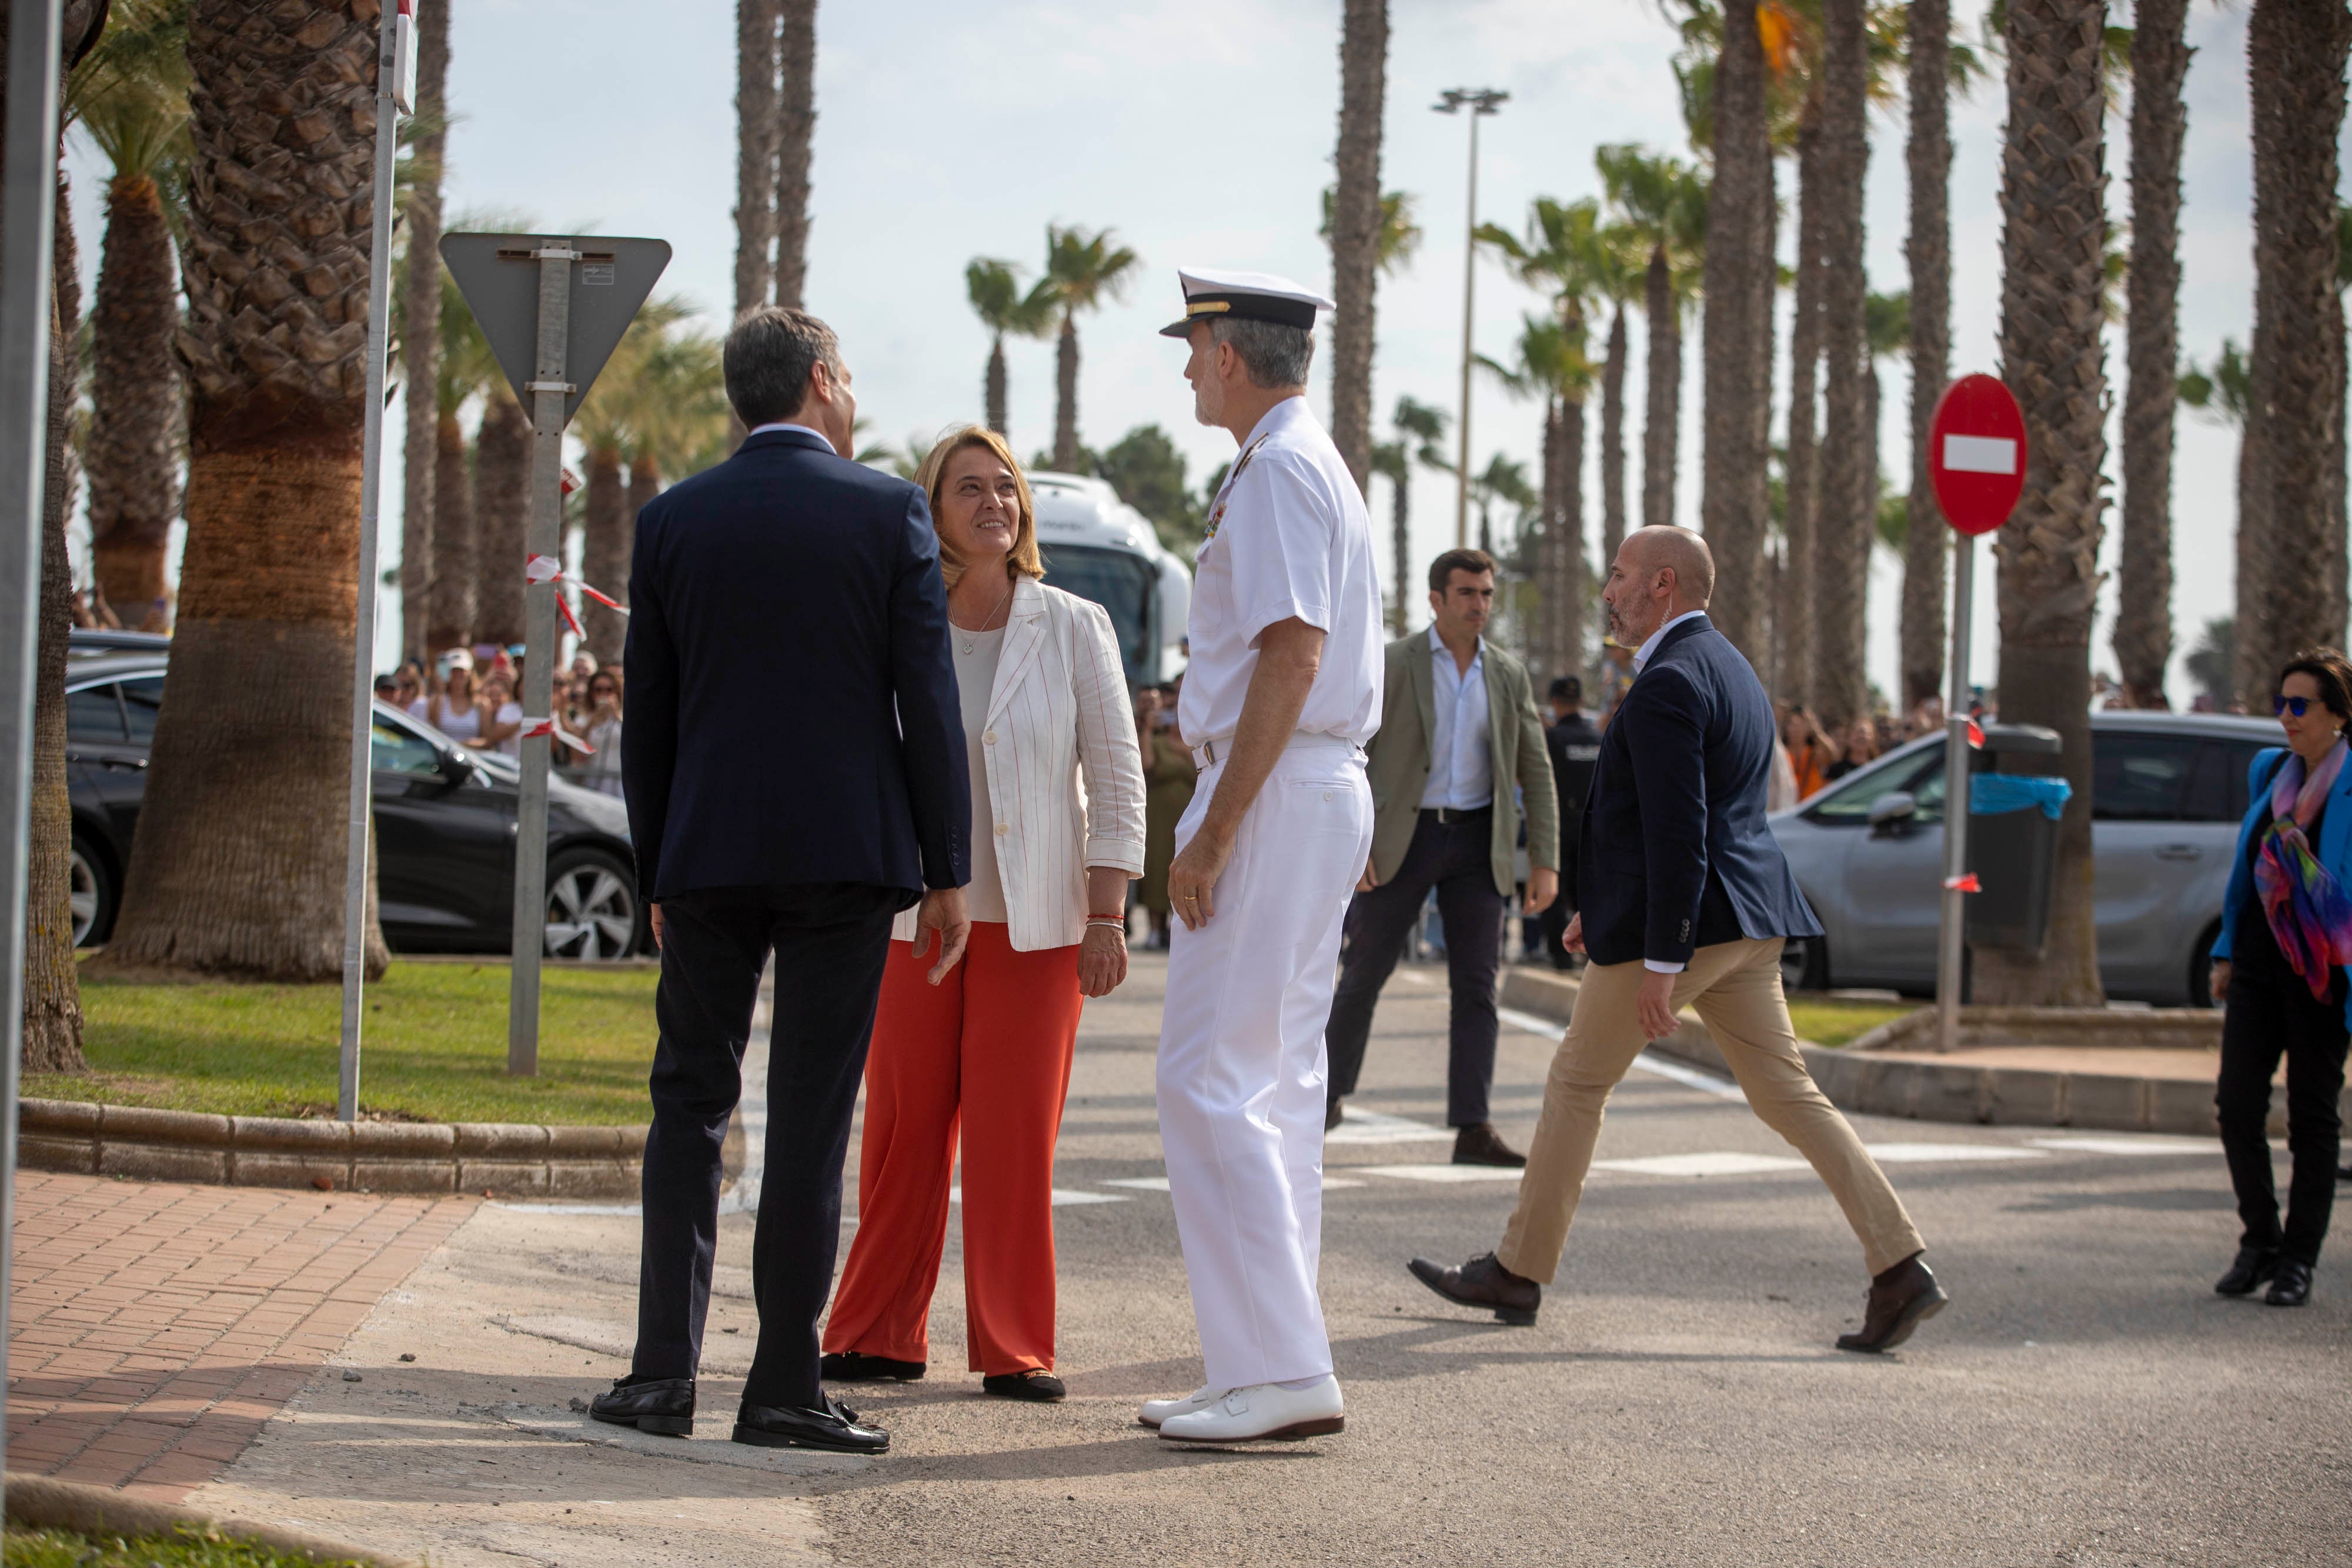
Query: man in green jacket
[(1458, 731)]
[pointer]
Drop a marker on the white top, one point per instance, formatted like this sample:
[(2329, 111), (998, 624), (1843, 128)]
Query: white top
[(511, 713), (1461, 769), (457, 723), (1650, 643), (1288, 538), (975, 679), (788, 425)]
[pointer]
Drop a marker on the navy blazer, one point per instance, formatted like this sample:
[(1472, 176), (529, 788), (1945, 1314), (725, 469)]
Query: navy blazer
[(792, 706), (1674, 854), (2334, 848)]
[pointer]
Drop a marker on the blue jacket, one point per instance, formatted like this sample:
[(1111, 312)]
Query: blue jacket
[(792, 704), (2335, 846), (1674, 854)]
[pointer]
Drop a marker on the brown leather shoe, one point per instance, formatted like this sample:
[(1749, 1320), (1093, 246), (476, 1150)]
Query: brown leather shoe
[(1901, 1299), (1480, 1145), (1484, 1282)]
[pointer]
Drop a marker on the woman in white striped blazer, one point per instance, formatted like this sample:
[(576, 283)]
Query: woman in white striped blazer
[(987, 1045)]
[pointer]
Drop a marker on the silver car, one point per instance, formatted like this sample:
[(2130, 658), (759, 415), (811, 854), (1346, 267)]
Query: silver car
[(2167, 792)]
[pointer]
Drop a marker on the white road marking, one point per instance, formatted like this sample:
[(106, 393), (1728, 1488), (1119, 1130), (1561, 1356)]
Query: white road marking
[(1923, 1154), (1377, 1127), (573, 1208), (1648, 1061), (1332, 1181), (2131, 1144), (1140, 1183), (1720, 1162), (1062, 1196), (1444, 1174)]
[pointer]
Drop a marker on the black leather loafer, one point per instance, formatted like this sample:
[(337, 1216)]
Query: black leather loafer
[(2291, 1287), (1480, 1145), (1036, 1383), (1901, 1299), (856, 1366), (2253, 1266), (1484, 1282), (834, 1428), (663, 1404)]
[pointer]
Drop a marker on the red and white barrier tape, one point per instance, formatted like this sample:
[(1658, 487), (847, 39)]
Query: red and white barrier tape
[(540, 569), (1975, 736), (1962, 883), (547, 729)]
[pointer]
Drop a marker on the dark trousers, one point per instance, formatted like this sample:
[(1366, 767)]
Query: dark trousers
[(1552, 924), (2271, 1012), (1456, 858), (829, 941)]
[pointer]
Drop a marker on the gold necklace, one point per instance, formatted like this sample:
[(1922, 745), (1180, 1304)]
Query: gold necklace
[(969, 643)]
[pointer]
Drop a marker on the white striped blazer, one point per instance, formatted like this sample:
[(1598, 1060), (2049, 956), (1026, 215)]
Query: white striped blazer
[(1064, 785)]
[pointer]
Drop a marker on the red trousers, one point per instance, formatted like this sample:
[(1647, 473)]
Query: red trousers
[(988, 1046)]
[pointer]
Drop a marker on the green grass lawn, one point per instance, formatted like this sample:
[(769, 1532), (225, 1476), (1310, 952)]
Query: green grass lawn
[(63, 1549), (1827, 1021), (434, 1048)]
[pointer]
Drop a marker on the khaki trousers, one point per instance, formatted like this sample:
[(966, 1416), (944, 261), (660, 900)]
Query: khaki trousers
[(1736, 989)]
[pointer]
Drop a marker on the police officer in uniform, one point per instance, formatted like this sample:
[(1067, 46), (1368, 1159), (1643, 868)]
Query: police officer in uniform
[(1283, 691)]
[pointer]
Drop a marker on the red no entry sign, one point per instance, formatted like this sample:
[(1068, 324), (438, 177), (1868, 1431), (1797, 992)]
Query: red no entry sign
[(1976, 453)]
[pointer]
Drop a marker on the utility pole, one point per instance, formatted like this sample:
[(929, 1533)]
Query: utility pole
[(1481, 101)]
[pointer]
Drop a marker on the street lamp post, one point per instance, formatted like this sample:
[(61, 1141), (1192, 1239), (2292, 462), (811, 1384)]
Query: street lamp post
[(1481, 101)]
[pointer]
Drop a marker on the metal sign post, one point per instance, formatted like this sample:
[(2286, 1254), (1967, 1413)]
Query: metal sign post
[(1975, 461), (27, 220), (552, 326), (395, 73)]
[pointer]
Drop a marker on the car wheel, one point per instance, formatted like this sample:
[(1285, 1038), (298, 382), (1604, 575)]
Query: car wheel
[(1805, 963), (90, 893), (592, 910), (2201, 968)]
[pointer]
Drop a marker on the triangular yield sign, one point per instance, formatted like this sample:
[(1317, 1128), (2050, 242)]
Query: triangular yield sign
[(498, 275)]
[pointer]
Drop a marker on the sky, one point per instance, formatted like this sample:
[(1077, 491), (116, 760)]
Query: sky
[(1201, 132)]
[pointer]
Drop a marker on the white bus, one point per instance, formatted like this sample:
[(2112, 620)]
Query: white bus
[(1099, 548)]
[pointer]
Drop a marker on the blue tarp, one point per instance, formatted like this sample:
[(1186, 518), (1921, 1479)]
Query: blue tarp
[(1997, 794)]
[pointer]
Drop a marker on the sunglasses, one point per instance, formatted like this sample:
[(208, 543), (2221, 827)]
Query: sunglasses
[(2295, 705)]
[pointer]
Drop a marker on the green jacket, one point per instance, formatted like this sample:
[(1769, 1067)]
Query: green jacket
[(1399, 759)]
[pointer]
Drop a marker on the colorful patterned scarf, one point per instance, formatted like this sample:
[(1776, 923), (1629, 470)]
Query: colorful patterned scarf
[(2309, 911)]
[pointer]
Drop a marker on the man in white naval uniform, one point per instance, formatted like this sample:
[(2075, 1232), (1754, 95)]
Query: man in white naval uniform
[(1283, 691)]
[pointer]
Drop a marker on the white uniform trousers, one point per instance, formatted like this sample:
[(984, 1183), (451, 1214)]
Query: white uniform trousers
[(1241, 1066)]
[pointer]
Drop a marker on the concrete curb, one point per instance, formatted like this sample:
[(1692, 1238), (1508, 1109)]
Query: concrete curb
[(511, 1159), (1859, 1081), (39, 1502)]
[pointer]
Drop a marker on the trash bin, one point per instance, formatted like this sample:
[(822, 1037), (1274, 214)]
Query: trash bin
[(2013, 841)]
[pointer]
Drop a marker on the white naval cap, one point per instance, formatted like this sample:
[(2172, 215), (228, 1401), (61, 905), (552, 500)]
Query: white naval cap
[(1245, 297)]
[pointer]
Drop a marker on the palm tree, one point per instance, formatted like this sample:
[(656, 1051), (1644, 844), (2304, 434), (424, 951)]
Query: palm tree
[(1928, 248), (463, 368), (1420, 438), (501, 499), (1502, 482), (130, 98), (1084, 269), (1622, 280), (2143, 632), (2053, 172), (420, 338), (1552, 366), (222, 879), (756, 131), (1661, 204), (1353, 221), (796, 134), (605, 425), (1794, 664), (994, 289)]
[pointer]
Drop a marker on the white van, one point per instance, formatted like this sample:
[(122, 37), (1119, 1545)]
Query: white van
[(1099, 548)]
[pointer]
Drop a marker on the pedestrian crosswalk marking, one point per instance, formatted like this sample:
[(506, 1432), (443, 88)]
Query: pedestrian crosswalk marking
[(1922, 1154), (1142, 1183), (1717, 1163), (2136, 1144), (1062, 1196), (1440, 1173), (1376, 1127)]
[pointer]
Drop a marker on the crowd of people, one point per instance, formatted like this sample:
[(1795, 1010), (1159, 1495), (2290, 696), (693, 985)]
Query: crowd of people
[(469, 695)]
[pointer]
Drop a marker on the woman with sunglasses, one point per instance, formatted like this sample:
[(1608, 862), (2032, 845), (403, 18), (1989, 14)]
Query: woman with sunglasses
[(2278, 966)]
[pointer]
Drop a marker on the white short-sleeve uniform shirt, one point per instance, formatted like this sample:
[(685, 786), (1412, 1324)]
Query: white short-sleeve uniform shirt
[(1289, 540)]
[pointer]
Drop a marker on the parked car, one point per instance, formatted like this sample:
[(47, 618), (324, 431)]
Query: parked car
[(2167, 793), (444, 823)]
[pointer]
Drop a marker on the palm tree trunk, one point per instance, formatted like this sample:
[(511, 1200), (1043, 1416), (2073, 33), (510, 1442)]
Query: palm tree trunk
[(2295, 254), (604, 548), (796, 130), (1662, 415), (1355, 230), (135, 394), (1612, 440), (501, 492), (1738, 226), (1844, 530), (1066, 402), (1929, 250), (420, 594), (644, 483), (1571, 587), (994, 390), (756, 131), (1799, 526), (456, 578), (52, 1010), (1547, 644), (2143, 634), (2053, 172), (1400, 546)]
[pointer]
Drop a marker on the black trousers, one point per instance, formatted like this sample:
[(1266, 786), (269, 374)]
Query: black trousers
[(1553, 921), (829, 941), (1456, 858), (2271, 1013)]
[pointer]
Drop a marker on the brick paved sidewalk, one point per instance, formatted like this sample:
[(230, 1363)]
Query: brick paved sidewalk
[(154, 1328)]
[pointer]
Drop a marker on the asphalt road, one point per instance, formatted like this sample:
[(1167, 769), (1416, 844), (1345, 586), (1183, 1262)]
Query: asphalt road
[(2085, 1399)]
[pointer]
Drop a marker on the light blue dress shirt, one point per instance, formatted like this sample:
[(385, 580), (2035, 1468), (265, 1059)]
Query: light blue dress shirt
[(1461, 767)]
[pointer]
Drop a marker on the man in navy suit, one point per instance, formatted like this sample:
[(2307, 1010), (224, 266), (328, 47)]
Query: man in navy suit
[(1684, 900), (795, 776)]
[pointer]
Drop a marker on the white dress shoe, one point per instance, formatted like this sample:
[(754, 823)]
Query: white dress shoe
[(1155, 1411), (1262, 1410)]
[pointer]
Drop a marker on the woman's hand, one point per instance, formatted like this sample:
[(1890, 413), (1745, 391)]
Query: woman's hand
[(1102, 960), (2217, 983)]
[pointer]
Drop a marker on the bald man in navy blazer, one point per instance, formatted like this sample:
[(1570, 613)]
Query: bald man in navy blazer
[(1684, 899), (794, 760)]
